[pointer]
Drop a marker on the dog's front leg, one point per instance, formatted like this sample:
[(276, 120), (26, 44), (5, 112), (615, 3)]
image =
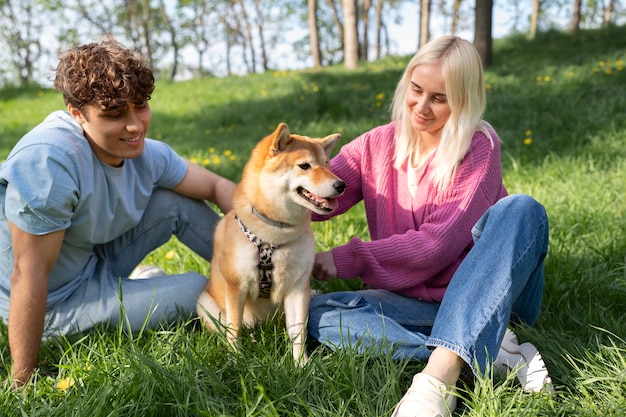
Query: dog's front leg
[(296, 305), (235, 301)]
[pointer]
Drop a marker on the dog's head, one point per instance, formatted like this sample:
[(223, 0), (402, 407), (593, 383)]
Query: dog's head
[(298, 167)]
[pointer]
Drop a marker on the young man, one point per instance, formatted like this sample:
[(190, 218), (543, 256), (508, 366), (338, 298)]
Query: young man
[(85, 197)]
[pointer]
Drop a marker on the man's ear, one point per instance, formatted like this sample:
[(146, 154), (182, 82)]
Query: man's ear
[(76, 114)]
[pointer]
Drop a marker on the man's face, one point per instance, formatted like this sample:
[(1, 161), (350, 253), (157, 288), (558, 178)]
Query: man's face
[(114, 134)]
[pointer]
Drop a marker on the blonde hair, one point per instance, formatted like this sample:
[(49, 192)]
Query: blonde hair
[(462, 71)]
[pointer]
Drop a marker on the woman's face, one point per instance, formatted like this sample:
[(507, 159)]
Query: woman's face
[(426, 100)]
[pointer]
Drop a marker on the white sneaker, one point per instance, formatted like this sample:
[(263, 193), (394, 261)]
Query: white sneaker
[(526, 361), (426, 397), (146, 271)]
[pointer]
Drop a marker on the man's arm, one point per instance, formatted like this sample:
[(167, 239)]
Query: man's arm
[(34, 256), (203, 184)]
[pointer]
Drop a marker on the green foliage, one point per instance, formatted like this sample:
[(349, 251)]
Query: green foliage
[(558, 104)]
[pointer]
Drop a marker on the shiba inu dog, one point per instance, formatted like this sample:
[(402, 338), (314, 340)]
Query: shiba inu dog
[(264, 247)]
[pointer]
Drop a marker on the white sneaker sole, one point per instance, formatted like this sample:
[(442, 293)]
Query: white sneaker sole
[(526, 361), (146, 271)]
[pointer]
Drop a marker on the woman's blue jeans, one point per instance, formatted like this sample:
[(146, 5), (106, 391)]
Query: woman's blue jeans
[(110, 297), (500, 280)]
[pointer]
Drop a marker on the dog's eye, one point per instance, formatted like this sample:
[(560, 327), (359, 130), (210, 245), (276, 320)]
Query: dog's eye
[(305, 166)]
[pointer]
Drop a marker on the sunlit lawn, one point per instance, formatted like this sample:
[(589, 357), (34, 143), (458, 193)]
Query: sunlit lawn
[(559, 106)]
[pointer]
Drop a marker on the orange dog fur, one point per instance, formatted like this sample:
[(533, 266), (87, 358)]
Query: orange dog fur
[(286, 178)]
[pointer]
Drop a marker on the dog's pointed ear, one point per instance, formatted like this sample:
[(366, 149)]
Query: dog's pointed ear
[(329, 142), (282, 138)]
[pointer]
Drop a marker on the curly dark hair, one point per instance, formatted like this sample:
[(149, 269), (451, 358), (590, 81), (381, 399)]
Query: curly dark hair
[(106, 74)]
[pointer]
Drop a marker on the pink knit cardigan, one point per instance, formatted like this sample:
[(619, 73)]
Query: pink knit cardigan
[(417, 242)]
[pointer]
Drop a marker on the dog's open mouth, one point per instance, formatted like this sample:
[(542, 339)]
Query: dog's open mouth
[(323, 204)]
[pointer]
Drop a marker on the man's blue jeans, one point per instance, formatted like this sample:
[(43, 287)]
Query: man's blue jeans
[(145, 301), (500, 280)]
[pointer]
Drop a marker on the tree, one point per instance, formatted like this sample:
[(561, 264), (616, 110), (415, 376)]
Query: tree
[(482, 30), (173, 32), (424, 35), (21, 27), (534, 18), (575, 24), (608, 13), (366, 5), (314, 40), (379, 28), (350, 35)]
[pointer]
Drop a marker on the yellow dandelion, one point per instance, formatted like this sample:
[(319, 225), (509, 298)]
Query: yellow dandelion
[(301, 98), (316, 88), (528, 132), (228, 152), (379, 104), (547, 78), (194, 160), (596, 70), (488, 87), (380, 96), (216, 160), (276, 74), (170, 254), (608, 71), (66, 383), (538, 78), (601, 63), (232, 157), (528, 141), (206, 161), (211, 150)]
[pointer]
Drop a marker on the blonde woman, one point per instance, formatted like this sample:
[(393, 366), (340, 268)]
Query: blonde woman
[(453, 260)]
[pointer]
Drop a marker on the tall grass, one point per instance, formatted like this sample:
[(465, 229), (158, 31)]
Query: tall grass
[(559, 105)]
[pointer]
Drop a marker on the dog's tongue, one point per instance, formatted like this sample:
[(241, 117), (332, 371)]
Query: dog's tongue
[(332, 203)]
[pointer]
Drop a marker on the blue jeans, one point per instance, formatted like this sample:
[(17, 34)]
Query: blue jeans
[(500, 281), (144, 301)]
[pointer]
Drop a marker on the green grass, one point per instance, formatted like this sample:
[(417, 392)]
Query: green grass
[(559, 105)]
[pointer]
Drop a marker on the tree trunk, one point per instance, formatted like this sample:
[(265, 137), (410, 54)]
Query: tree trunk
[(336, 20), (424, 35), (482, 30), (246, 33), (575, 24), (379, 28), (366, 4), (261, 32), (456, 6), (608, 13), (174, 42), (350, 35), (534, 19), (314, 40)]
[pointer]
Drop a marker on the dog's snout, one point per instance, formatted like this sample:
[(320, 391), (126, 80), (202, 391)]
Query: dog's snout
[(340, 186)]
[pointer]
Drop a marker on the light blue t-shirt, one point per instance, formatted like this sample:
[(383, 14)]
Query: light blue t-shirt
[(53, 181)]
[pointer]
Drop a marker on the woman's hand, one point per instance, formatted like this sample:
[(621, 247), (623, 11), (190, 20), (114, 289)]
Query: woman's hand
[(324, 266)]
